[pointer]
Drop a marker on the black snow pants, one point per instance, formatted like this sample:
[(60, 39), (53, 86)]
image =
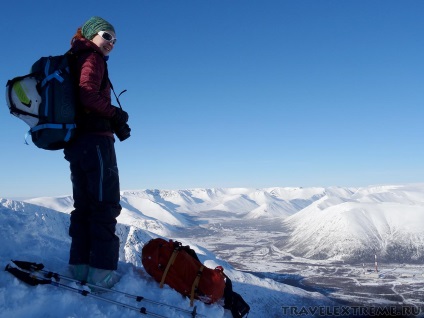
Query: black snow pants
[(95, 183)]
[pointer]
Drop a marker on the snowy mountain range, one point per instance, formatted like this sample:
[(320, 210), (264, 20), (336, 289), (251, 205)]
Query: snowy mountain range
[(350, 224), (319, 223), (354, 225)]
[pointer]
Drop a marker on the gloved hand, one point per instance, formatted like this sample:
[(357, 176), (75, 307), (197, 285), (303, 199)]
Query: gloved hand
[(121, 116)]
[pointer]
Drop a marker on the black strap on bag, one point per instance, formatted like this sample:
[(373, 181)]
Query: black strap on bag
[(189, 251), (233, 301), (239, 308)]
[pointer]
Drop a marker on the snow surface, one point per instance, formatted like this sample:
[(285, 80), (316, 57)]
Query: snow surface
[(322, 222), (36, 230), (383, 220)]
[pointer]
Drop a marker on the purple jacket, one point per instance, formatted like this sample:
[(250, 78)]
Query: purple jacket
[(94, 87)]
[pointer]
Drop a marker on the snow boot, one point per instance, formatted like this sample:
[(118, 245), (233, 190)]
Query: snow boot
[(102, 277), (80, 272)]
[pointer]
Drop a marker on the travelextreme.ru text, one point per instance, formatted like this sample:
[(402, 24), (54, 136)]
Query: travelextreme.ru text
[(349, 311)]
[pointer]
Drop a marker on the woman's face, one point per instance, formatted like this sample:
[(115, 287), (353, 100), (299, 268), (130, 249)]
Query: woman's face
[(105, 46)]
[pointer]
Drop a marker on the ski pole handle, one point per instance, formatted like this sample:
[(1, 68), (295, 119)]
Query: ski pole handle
[(29, 266)]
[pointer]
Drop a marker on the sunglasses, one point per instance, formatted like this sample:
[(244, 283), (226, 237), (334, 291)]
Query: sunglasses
[(107, 36)]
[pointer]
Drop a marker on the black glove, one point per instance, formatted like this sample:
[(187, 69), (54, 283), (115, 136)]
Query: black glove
[(121, 116)]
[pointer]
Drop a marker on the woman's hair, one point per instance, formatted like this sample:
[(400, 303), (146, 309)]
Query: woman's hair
[(78, 35)]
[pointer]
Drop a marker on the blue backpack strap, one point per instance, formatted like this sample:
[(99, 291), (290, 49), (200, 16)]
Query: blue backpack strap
[(53, 126), (48, 77), (55, 75), (26, 137), (69, 127)]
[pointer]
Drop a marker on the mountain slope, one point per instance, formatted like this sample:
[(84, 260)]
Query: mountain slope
[(388, 221), (319, 223), (39, 234)]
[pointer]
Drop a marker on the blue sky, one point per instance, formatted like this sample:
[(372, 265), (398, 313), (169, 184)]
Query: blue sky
[(237, 93)]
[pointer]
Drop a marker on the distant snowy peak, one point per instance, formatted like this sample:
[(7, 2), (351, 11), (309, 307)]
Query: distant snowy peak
[(11, 204), (61, 204), (245, 202), (145, 207), (319, 223), (22, 206), (272, 210), (388, 221), (411, 194), (296, 193)]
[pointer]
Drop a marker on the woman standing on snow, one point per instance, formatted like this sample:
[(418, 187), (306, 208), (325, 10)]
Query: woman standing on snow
[(94, 249)]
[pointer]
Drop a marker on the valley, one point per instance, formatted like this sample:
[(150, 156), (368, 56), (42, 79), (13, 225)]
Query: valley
[(252, 246), (321, 240)]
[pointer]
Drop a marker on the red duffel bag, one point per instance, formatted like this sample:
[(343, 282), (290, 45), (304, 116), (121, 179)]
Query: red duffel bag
[(168, 262)]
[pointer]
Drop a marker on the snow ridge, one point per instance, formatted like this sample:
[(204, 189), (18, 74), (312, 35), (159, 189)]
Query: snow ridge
[(383, 220)]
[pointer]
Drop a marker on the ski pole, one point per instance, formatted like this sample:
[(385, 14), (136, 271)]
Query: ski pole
[(34, 280), (141, 310), (48, 274)]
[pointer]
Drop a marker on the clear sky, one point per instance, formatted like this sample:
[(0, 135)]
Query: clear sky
[(237, 93)]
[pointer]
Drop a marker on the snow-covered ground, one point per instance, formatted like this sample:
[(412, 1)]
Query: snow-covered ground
[(268, 232)]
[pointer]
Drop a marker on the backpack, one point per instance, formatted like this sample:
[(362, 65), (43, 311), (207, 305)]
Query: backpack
[(178, 266), (46, 100)]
